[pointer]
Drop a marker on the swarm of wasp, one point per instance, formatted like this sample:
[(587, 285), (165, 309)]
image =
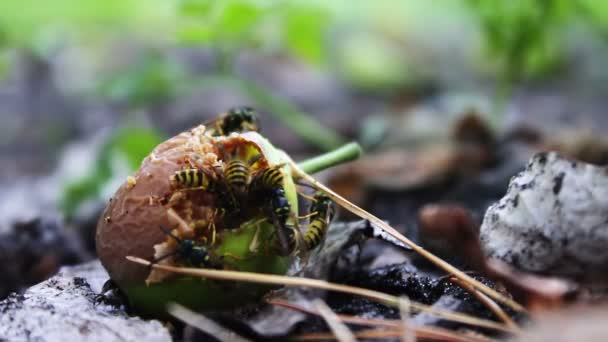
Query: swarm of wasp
[(242, 189), (217, 196)]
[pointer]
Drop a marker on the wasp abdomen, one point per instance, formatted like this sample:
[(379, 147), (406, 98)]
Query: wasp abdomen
[(269, 179), (238, 175), (193, 178), (319, 222)]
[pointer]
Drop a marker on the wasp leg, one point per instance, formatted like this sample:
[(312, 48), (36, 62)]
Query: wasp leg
[(283, 236), (308, 197), (307, 215), (233, 256), (212, 226), (254, 245)]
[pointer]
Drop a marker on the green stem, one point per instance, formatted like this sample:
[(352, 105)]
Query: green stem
[(340, 155)]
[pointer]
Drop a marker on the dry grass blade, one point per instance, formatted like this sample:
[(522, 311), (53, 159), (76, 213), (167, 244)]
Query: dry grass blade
[(394, 326), (270, 279), (298, 173), (203, 324), (490, 304), (341, 331)]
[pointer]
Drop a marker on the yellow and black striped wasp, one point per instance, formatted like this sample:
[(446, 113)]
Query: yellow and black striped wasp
[(238, 174), (322, 212), (193, 179), (226, 203), (237, 119), (268, 185)]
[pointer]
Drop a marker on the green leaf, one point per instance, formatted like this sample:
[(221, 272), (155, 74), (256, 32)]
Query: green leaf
[(237, 17), (130, 143), (152, 80), (196, 34), (76, 193), (196, 8), (305, 33), (4, 65), (134, 143)]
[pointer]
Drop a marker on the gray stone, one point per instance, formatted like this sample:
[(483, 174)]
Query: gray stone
[(65, 308), (553, 220)]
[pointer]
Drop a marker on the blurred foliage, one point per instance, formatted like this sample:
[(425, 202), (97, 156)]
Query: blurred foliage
[(374, 64), (231, 26), (120, 156), (377, 47), (527, 37), (523, 35), (234, 25), (152, 80), (26, 22)]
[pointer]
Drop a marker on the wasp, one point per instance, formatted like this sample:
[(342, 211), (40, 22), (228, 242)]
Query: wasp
[(237, 119), (195, 179), (268, 179), (238, 174), (268, 184), (322, 212), (190, 252)]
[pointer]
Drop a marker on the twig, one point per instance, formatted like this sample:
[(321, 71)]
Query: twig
[(271, 279), (490, 304), (299, 173), (341, 331)]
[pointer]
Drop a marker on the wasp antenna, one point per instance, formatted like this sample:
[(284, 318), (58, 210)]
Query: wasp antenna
[(159, 259), (306, 185), (168, 232), (307, 215), (308, 197), (254, 159)]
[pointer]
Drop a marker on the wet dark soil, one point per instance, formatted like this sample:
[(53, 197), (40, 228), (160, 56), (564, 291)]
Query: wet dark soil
[(32, 251)]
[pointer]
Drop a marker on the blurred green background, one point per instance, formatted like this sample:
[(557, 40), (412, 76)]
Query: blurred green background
[(88, 88)]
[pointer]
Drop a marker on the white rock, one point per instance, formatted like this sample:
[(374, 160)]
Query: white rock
[(553, 219), (65, 308)]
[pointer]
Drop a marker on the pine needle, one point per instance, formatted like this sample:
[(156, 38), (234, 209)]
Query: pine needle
[(203, 324), (394, 326), (421, 333), (490, 304), (298, 173), (271, 279), (340, 331)]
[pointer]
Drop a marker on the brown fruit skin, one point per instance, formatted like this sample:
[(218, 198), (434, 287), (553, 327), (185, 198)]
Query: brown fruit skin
[(130, 223)]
